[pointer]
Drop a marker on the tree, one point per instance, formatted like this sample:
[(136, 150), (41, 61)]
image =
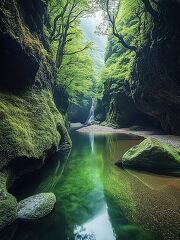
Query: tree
[(75, 76), (110, 8), (150, 9), (73, 65), (64, 15)]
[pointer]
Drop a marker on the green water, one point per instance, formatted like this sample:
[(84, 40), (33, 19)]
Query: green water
[(96, 200)]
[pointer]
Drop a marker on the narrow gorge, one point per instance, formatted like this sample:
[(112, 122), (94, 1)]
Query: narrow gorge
[(90, 119)]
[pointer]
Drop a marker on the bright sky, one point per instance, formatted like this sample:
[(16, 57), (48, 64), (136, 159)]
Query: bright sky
[(88, 26)]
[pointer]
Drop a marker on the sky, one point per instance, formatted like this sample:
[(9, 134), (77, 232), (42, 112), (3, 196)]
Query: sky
[(88, 26)]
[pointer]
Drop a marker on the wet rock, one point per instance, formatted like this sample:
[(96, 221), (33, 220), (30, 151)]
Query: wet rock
[(35, 207), (152, 155)]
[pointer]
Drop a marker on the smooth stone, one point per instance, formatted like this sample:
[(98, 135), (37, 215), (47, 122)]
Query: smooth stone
[(153, 155), (36, 207)]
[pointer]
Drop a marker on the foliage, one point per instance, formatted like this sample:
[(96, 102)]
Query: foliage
[(76, 74), (133, 23), (74, 66)]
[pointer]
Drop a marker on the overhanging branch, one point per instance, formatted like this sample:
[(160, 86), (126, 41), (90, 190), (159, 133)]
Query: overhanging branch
[(78, 51), (115, 32)]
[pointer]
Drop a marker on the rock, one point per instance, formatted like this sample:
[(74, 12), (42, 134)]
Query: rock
[(8, 203), (31, 127), (155, 82), (143, 88), (8, 209), (36, 207), (153, 155), (30, 124)]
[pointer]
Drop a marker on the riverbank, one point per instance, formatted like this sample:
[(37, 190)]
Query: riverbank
[(161, 136)]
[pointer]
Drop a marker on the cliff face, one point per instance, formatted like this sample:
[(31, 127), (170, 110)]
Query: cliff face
[(30, 124), (156, 84), (144, 86)]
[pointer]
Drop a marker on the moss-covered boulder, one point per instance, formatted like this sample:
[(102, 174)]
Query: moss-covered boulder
[(35, 207), (8, 203), (153, 155)]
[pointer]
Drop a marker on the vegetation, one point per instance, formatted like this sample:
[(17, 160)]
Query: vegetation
[(74, 66), (128, 27)]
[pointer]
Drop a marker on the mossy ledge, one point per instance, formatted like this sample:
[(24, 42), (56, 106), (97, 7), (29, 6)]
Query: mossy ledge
[(29, 126)]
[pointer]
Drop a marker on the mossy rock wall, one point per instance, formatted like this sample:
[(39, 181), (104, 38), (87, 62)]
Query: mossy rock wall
[(144, 86), (117, 98), (155, 79), (30, 124), (31, 127)]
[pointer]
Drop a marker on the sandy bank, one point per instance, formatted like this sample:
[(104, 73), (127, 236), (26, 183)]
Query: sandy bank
[(97, 129)]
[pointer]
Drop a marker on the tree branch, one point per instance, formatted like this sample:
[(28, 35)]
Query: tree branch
[(150, 9), (115, 33), (56, 20), (78, 51)]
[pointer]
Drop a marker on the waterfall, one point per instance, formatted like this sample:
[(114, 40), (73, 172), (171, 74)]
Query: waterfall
[(90, 119)]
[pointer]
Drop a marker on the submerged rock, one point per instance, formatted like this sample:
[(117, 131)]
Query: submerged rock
[(36, 207), (152, 155)]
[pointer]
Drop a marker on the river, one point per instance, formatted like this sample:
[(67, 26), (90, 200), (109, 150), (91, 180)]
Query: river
[(96, 200)]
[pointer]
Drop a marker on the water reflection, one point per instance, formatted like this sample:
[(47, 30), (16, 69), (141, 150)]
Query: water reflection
[(98, 227), (98, 201), (149, 200), (91, 139)]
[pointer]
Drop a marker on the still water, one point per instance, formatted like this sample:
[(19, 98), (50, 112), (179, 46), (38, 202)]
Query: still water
[(96, 200)]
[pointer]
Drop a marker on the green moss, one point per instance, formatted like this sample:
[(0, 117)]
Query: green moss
[(18, 30), (8, 203), (151, 154), (29, 126), (120, 61)]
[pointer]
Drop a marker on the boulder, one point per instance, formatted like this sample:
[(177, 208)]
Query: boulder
[(35, 207), (153, 155)]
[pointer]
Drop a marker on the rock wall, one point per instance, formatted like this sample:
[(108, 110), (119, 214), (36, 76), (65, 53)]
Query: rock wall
[(31, 127), (155, 81), (143, 88)]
